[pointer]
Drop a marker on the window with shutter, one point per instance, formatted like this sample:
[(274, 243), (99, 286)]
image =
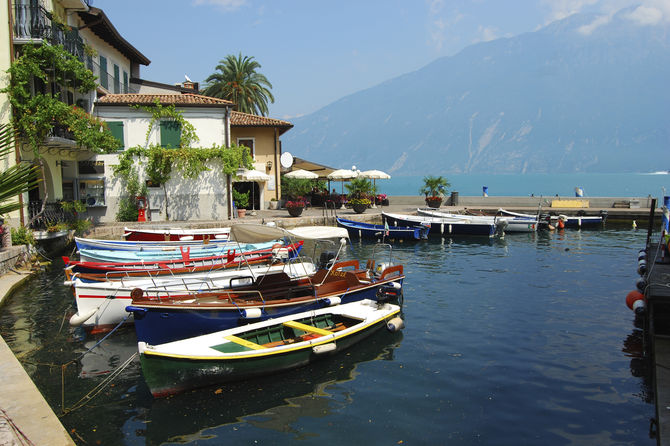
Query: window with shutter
[(117, 79), (170, 134), (116, 127)]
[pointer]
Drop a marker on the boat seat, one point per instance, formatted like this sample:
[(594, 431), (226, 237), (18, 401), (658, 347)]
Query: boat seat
[(244, 343), (307, 328)]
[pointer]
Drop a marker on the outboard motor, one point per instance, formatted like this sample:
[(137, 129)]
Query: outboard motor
[(326, 259), (389, 292), (544, 220), (603, 214)]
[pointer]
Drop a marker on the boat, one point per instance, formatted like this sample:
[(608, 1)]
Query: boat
[(140, 245), (167, 254), (111, 270), (274, 295), (509, 223), (369, 230), (261, 348), (176, 234), (441, 226), (568, 221)]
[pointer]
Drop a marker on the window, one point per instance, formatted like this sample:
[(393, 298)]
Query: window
[(103, 73), (92, 192), (89, 62), (125, 82), (247, 142), (117, 79), (116, 127), (170, 134)]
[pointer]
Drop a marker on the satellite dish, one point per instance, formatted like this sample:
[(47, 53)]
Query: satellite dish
[(286, 160)]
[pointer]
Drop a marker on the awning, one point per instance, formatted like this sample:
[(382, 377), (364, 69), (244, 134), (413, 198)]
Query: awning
[(319, 169), (253, 175)]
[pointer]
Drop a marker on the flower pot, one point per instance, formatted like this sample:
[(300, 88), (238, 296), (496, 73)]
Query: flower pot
[(359, 208), (274, 204), (294, 211), (434, 202), (241, 213)]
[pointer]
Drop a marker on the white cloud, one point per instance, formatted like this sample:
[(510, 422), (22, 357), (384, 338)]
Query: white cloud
[(439, 22), (226, 5), (651, 12), (561, 9)]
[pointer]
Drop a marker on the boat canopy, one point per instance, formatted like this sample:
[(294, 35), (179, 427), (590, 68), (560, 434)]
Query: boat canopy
[(318, 232), (250, 233)]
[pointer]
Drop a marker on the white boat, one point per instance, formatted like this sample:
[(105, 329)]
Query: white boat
[(573, 221), (140, 245), (509, 223), (176, 234)]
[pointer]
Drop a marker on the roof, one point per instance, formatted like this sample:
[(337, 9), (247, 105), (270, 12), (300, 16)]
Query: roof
[(184, 100), (319, 169), (239, 119), (100, 25)]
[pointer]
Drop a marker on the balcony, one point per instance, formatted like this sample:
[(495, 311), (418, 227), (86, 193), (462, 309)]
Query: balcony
[(34, 24), (60, 137)]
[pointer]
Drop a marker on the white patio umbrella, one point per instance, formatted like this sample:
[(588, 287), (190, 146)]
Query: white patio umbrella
[(253, 175), (375, 175), (303, 174), (342, 175)]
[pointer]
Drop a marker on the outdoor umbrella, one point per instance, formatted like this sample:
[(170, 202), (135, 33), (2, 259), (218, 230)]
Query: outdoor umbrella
[(342, 175), (375, 175), (253, 175), (303, 174)]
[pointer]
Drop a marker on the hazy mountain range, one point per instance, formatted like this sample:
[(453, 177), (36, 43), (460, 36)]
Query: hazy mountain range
[(570, 97)]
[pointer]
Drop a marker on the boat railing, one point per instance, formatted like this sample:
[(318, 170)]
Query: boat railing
[(381, 246)]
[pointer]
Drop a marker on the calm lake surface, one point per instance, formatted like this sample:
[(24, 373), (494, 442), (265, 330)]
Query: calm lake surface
[(524, 339)]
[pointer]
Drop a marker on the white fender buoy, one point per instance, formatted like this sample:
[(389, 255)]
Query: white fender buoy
[(324, 348), (638, 306), (332, 301), (395, 285), (395, 324), (76, 320), (251, 313)]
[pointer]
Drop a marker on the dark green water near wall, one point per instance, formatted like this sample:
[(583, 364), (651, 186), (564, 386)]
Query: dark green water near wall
[(519, 340)]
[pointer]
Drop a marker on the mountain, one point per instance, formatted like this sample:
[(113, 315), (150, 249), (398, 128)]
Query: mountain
[(558, 100)]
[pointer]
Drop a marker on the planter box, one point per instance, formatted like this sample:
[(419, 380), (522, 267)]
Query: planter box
[(295, 212)]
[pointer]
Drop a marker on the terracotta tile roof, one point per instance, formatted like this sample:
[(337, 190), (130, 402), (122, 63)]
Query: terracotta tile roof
[(186, 99), (246, 120)]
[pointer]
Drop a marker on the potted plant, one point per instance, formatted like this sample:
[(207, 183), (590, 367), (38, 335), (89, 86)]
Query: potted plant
[(274, 203), (359, 205), (295, 208), (434, 188), (241, 201)]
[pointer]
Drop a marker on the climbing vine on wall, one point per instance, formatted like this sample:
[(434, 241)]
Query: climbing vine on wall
[(36, 113)]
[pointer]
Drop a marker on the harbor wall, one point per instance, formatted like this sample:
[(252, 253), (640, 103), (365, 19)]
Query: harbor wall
[(511, 202)]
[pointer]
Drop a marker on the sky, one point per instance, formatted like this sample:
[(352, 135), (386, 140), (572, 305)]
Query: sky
[(315, 52)]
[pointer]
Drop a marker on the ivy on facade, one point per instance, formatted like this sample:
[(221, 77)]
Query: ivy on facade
[(36, 113)]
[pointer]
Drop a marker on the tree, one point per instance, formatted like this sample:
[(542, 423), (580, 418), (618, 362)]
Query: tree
[(360, 187), (236, 80), (18, 178), (434, 186)]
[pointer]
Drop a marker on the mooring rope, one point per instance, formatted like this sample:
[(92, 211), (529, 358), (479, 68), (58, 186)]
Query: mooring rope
[(18, 433)]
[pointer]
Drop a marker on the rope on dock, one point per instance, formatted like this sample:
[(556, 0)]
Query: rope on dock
[(18, 433)]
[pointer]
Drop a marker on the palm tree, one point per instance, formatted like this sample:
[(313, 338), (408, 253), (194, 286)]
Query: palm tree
[(236, 80), (434, 186), (18, 178)]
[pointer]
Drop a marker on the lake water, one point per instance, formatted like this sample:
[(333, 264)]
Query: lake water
[(524, 339), (592, 184)]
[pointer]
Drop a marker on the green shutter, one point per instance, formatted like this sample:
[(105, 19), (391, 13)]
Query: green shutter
[(125, 82), (170, 134), (116, 127), (117, 79), (103, 72)]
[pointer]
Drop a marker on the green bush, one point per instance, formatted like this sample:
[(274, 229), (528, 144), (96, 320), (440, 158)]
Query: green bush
[(22, 236), (127, 209)]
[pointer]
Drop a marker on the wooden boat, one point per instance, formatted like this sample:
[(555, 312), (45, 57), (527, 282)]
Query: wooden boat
[(125, 245), (111, 270), (176, 234), (261, 348), (177, 317), (441, 226), (369, 230), (510, 223), (103, 304)]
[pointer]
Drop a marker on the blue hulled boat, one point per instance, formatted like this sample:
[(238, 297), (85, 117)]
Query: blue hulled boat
[(369, 230)]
